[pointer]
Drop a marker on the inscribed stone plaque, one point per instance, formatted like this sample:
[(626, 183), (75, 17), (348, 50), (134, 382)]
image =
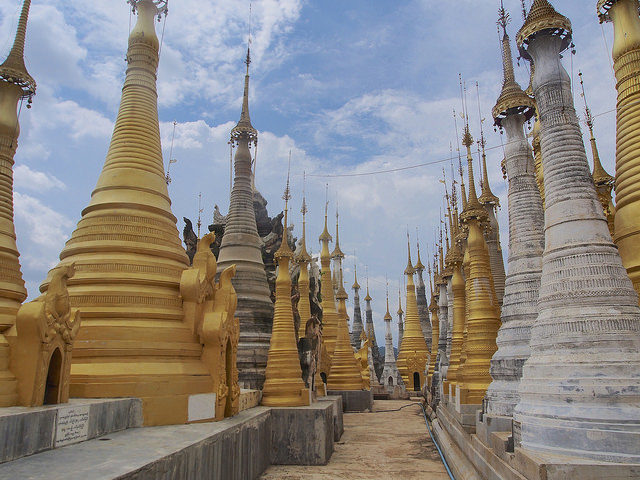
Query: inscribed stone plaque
[(72, 425)]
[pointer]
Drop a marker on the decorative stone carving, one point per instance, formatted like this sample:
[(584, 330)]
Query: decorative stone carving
[(210, 307), (42, 343)]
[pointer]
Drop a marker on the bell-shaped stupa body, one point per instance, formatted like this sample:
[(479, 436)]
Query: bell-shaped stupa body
[(241, 246), (283, 386), (134, 340), (626, 65), (526, 243), (15, 83), (413, 354), (581, 380)]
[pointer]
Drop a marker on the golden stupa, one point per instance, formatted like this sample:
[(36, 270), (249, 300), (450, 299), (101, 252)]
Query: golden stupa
[(283, 386), (413, 354), (303, 258), (329, 313), (626, 65), (346, 370), (15, 83), (483, 318), (136, 339)]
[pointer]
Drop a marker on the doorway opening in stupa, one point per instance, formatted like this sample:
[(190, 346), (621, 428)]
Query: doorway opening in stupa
[(54, 375), (416, 382), (228, 363), (390, 381)]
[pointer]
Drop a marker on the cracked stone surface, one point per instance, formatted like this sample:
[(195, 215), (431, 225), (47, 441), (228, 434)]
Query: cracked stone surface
[(379, 445)]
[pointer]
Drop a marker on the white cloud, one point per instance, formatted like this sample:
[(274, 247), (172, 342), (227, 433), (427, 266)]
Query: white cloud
[(28, 179)]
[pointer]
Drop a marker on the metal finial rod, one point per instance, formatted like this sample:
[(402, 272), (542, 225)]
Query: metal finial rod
[(482, 140), (587, 110), (200, 210), (503, 17), (524, 10)]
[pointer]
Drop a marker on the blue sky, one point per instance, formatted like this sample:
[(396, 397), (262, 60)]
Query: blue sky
[(348, 87)]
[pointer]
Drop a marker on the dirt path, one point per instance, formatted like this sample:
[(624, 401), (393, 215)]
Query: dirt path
[(380, 446)]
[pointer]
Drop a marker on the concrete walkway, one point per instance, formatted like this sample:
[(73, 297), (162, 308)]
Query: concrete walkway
[(376, 446)]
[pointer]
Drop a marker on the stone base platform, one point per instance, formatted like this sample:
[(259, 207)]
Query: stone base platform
[(355, 400), (302, 435), (338, 422), (29, 430), (470, 457)]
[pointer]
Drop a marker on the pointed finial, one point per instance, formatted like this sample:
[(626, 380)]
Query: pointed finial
[(409, 270), (337, 252), (356, 285), (244, 129), (512, 99), (600, 175), (325, 236), (13, 69), (368, 297), (543, 17), (524, 10), (473, 208), (285, 249), (418, 266), (387, 316), (487, 197)]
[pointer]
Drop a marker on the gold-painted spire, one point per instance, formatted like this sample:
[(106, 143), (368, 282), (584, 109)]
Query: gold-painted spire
[(473, 209), (542, 16), (387, 316), (283, 386), (602, 180), (600, 175), (419, 266), (325, 236), (487, 197), (368, 297), (409, 270), (356, 285), (244, 127), (337, 252), (329, 312), (13, 69), (303, 255), (285, 249), (512, 99), (399, 312)]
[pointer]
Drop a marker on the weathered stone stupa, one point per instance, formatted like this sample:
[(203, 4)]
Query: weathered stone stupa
[(15, 83), (357, 327), (241, 246), (135, 340), (581, 380), (526, 241), (390, 375), (370, 331), (421, 297)]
